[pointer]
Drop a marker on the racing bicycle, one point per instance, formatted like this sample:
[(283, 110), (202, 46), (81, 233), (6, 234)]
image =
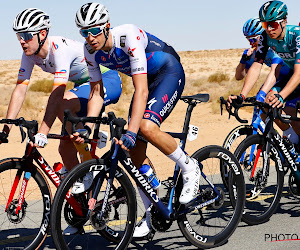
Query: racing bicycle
[(207, 221), (263, 159)]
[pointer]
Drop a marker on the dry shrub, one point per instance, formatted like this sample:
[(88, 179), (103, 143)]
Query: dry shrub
[(43, 85), (218, 77)]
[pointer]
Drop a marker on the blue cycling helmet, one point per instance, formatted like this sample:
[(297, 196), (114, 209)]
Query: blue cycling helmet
[(272, 11), (252, 27)]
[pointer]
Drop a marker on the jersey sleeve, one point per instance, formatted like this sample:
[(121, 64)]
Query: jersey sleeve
[(262, 48), (93, 67), (62, 65), (135, 44), (25, 70), (275, 59)]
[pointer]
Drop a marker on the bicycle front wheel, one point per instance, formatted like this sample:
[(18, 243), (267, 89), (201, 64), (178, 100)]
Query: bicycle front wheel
[(211, 225), (115, 225), (232, 141), (264, 184), (26, 228)]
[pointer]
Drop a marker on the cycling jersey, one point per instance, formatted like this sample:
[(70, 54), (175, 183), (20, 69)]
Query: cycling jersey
[(66, 61), (271, 58), (288, 48), (135, 51)]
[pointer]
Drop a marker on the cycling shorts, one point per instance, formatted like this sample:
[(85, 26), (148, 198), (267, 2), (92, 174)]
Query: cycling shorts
[(112, 90), (164, 91)]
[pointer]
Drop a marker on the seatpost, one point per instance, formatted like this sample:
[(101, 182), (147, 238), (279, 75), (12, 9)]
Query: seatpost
[(187, 118)]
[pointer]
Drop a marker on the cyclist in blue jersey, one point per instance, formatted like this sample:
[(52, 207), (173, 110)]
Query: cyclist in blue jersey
[(158, 79), (283, 39)]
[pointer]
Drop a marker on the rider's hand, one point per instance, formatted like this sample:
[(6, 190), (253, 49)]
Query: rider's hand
[(3, 137), (127, 140), (246, 55), (235, 98), (276, 100), (81, 134), (40, 140)]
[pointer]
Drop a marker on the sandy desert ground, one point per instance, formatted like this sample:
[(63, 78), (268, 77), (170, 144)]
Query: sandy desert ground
[(198, 65)]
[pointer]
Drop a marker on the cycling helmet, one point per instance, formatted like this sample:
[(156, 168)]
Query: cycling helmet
[(91, 14), (272, 11), (252, 27), (31, 20)]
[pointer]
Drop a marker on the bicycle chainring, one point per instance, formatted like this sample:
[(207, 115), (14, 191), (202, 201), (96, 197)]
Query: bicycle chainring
[(99, 222), (70, 215), (293, 186), (12, 209), (157, 221)]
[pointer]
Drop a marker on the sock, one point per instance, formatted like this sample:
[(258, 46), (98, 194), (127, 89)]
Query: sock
[(146, 201), (183, 160), (291, 134)]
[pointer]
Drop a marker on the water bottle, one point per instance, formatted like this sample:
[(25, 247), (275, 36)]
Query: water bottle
[(150, 176), (291, 148), (60, 170)]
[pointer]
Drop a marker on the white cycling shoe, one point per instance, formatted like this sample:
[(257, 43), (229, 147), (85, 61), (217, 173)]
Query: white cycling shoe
[(83, 184), (191, 182), (143, 228), (70, 230)]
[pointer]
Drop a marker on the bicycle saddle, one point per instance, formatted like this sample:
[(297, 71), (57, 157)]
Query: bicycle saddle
[(198, 97)]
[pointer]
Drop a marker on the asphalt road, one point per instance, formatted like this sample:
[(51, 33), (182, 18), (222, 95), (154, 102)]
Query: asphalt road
[(277, 233)]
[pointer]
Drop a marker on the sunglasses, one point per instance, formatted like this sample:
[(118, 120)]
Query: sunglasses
[(95, 31), (25, 36), (272, 24), (253, 39)]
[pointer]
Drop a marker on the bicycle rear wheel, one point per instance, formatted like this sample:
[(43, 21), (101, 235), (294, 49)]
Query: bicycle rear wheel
[(212, 225), (117, 225), (28, 228), (263, 192)]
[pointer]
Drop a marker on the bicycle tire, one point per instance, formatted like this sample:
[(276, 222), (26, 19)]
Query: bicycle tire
[(217, 221), (118, 231), (231, 142), (262, 199), (32, 224)]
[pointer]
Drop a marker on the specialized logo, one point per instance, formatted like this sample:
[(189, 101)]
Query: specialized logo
[(130, 51), (151, 102)]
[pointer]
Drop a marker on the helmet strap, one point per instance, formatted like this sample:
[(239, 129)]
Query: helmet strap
[(106, 34), (281, 31), (41, 43)]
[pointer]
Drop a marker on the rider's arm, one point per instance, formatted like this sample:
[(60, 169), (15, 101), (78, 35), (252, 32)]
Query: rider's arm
[(240, 71), (139, 101), (271, 78), (15, 104), (251, 78), (292, 83)]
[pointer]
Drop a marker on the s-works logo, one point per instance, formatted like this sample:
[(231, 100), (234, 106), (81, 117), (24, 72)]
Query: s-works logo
[(281, 237)]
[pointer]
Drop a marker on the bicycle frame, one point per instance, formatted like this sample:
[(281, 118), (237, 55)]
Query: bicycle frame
[(167, 211), (31, 153)]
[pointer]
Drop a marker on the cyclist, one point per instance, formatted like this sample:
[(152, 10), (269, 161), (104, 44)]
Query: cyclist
[(283, 39), (64, 58), (252, 30), (158, 79)]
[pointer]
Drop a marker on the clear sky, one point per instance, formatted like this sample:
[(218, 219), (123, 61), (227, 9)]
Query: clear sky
[(185, 24)]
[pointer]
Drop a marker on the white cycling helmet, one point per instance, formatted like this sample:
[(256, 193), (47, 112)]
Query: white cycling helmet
[(91, 14), (31, 20)]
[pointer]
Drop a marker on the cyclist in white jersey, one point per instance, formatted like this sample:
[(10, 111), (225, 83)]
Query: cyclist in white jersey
[(158, 79), (63, 58)]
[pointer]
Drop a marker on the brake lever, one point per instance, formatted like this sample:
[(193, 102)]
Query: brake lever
[(23, 134)]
